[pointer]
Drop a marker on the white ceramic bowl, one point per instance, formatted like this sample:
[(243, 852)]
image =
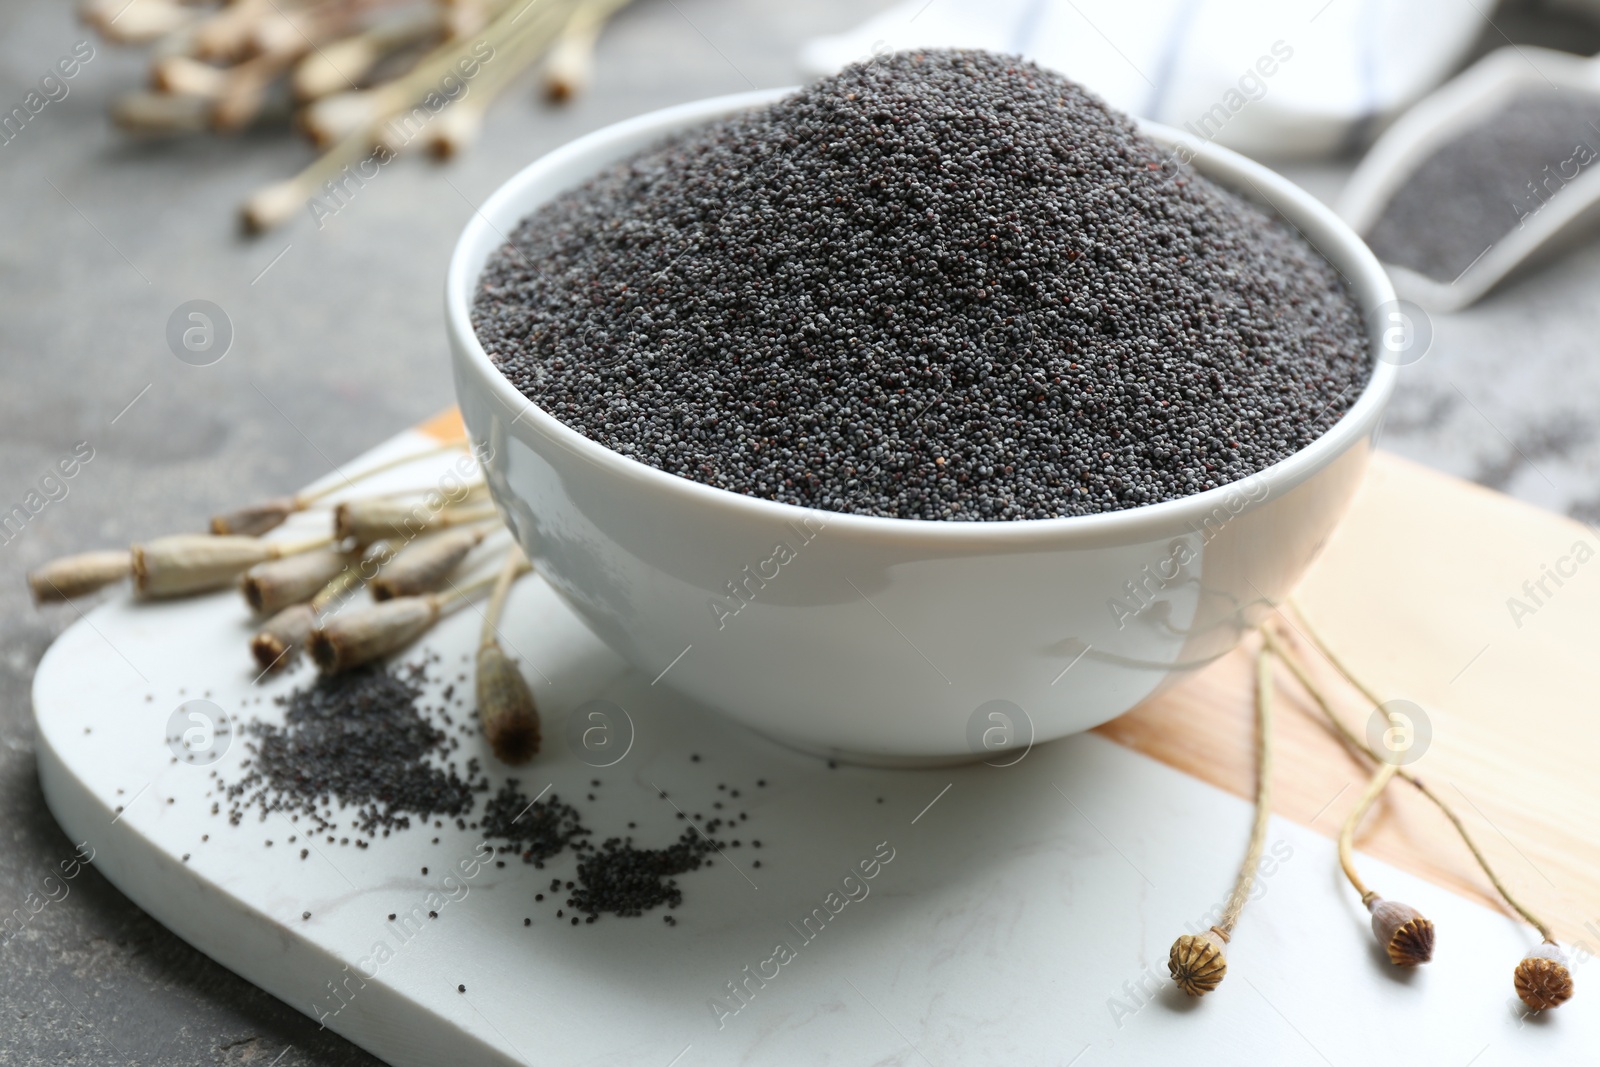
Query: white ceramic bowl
[(896, 641)]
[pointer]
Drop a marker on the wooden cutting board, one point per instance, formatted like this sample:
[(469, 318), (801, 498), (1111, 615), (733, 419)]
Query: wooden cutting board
[(1485, 612)]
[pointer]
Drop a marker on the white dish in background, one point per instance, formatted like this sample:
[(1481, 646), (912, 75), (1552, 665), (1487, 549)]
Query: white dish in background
[(891, 641), (1459, 105)]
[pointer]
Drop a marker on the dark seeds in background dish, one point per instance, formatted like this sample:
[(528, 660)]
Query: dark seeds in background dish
[(945, 285), (1474, 190)]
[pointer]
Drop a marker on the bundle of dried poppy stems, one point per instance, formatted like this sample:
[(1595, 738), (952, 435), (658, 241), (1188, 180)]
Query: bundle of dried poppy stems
[(1198, 962), (406, 551), (364, 79)]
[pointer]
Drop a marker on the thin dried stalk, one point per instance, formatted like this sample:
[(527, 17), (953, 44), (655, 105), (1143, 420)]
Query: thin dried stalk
[(275, 204), (1406, 935), (74, 576), (1198, 962), (1541, 979), (1263, 814), (1375, 786), (1322, 702), (258, 518), (460, 123)]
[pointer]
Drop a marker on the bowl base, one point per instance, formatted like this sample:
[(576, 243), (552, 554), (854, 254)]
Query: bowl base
[(884, 760)]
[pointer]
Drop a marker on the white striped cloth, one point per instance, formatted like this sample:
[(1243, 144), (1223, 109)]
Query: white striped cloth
[(1271, 78)]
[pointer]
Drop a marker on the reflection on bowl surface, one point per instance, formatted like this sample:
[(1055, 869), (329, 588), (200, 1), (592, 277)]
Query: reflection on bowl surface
[(894, 641)]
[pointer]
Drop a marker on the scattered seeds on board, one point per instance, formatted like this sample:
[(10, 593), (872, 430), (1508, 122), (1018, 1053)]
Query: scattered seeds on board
[(943, 285), (367, 740)]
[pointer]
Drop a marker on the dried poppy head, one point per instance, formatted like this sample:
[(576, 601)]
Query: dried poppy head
[(1198, 962), (1402, 931), (1542, 978)]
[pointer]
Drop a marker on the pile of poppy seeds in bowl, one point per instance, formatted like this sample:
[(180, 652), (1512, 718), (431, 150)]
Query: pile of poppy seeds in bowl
[(939, 285), (365, 753)]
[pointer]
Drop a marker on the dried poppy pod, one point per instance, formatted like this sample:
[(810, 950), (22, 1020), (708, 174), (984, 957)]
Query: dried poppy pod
[(361, 635), (257, 519), (1542, 979), (506, 710), (74, 576), (423, 566), (280, 636), (198, 563), (366, 521), (1198, 962), (263, 516), (272, 586), (152, 21), (1402, 931)]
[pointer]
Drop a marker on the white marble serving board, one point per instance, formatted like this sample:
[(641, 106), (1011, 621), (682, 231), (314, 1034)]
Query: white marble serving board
[(1024, 917)]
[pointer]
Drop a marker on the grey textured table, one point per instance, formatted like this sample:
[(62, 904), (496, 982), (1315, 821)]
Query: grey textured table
[(339, 343)]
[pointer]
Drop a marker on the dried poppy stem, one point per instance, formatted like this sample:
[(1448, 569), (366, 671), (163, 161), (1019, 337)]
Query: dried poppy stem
[(258, 518), (188, 76), (273, 205), (460, 123), (272, 586), (348, 480), (424, 565), (570, 66), (1439, 802), (287, 631), (334, 66), (1542, 979), (367, 521), (160, 114), (1347, 831), (74, 576), (1402, 930), (227, 36), (1198, 962), (506, 709), (197, 563), (360, 113), (244, 91), (124, 23), (362, 635)]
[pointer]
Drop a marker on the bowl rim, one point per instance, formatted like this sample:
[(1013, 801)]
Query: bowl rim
[(1340, 246)]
